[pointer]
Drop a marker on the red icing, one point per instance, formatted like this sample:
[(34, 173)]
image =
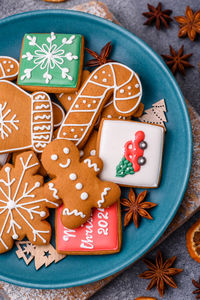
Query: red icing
[(100, 232), (133, 151)]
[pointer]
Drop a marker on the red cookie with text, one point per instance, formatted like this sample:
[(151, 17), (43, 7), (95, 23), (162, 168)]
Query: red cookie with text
[(76, 183), (101, 234)]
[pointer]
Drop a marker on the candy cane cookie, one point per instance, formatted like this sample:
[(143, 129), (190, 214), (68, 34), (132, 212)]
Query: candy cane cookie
[(111, 78)]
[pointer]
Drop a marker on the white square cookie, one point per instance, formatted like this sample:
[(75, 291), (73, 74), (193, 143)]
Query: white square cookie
[(131, 152)]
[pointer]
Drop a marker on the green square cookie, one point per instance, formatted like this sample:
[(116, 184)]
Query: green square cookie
[(51, 62)]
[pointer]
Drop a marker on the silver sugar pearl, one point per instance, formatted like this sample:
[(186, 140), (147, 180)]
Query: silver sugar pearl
[(141, 160), (143, 145)]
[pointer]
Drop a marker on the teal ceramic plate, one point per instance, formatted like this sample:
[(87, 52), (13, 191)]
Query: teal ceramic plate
[(157, 83)]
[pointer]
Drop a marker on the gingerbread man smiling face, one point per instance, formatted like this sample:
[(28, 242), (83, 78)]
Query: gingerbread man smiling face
[(76, 183)]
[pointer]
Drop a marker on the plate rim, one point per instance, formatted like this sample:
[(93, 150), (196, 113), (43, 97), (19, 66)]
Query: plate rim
[(176, 87)]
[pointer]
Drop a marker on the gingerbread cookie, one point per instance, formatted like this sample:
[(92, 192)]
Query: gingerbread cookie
[(9, 68), (101, 234), (76, 183), (24, 203), (67, 99), (90, 147), (58, 115), (51, 62), (137, 157), (26, 120), (41, 170), (111, 78)]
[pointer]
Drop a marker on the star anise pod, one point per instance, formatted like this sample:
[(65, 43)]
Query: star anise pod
[(197, 285), (136, 207), (100, 59), (160, 273), (177, 61), (189, 24), (157, 15)]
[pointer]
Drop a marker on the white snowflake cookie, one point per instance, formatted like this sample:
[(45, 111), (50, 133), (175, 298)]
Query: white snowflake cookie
[(131, 152), (24, 202), (51, 62)]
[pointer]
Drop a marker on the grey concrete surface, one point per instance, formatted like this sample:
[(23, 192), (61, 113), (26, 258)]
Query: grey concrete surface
[(128, 12)]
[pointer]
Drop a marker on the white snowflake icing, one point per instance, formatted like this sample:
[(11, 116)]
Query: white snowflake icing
[(48, 56), (5, 129), (16, 203)]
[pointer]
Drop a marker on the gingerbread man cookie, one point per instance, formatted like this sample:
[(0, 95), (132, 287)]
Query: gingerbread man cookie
[(24, 203), (111, 78), (76, 183)]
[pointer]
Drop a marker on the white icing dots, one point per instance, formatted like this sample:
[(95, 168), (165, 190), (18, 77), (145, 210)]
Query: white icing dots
[(84, 101), (8, 70), (109, 75), (9, 62), (121, 91), (130, 93), (81, 153), (66, 150), (103, 72), (109, 116), (75, 136), (84, 196), (89, 105), (54, 156), (129, 87), (4, 62), (79, 186), (82, 129), (15, 236), (93, 152), (77, 106), (73, 176), (95, 77), (105, 80), (72, 130), (64, 133), (94, 101), (42, 214), (69, 98), (137, 85)]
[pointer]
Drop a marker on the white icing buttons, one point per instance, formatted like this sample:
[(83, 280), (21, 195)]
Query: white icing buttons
[(103, 72), (79, 186), (104, 80), (95, 77), (121, 91), (72, 130), (89, 105), (73, 176), (77, 106), (84, 196), (84, 101), (137, 85), (69, 98), (75, 136), (129, 87), (54, 156), (66, 150), (109, 116), (94, 101)]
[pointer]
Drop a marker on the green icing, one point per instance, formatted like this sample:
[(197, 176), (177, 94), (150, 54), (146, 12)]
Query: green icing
[(124, 168), (51, 60)]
